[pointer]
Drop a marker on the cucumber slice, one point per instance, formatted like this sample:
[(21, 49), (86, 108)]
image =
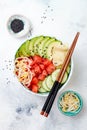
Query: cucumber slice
[(50, 47), (68, 69), (49, 82), (37, 42), (40, 46), (65, 78), (44, 85), (42, 90), (55, 74), (46, 46)]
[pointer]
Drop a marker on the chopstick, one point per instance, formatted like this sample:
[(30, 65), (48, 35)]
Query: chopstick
[(57, 84)]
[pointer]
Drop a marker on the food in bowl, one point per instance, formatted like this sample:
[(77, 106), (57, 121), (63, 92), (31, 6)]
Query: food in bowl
[(70, 103), (38, 62), (18, 25)]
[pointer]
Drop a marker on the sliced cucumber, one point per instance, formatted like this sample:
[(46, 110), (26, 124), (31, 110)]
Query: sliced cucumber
[(44, 85), (55, 74), (42, 90), (65, 78), (41, 45), (68, 69), (37, 42), (49, 82), (50, 48)]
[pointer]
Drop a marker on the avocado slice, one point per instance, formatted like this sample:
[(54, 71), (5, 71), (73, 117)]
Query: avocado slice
[(50, 47), (22, 50), (27, 47), (37, 42), (31, 46), (41, 44), (46, 46), (16, 55)]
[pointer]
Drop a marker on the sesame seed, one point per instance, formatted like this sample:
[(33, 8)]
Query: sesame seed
[(51, 9), (44, 13), (41, 22)]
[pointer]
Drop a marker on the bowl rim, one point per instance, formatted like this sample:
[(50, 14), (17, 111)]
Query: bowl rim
[(70, 113), (46, 93)]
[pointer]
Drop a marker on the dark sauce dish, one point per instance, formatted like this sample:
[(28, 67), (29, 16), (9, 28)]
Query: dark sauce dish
[(19, 26)]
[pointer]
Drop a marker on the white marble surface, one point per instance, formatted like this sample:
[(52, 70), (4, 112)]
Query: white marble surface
[(20, 110)]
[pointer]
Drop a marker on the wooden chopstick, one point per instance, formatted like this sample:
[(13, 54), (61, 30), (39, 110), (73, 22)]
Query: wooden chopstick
[(67, 58), (57, 85)]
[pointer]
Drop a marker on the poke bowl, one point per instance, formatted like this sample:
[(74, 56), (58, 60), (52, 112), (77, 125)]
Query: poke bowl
[(38, 62)]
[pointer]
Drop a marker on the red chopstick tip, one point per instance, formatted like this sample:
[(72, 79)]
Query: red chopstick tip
[(46, 114), (42, 112)]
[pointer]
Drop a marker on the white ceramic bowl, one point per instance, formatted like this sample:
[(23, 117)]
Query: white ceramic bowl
[(64, 85)]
